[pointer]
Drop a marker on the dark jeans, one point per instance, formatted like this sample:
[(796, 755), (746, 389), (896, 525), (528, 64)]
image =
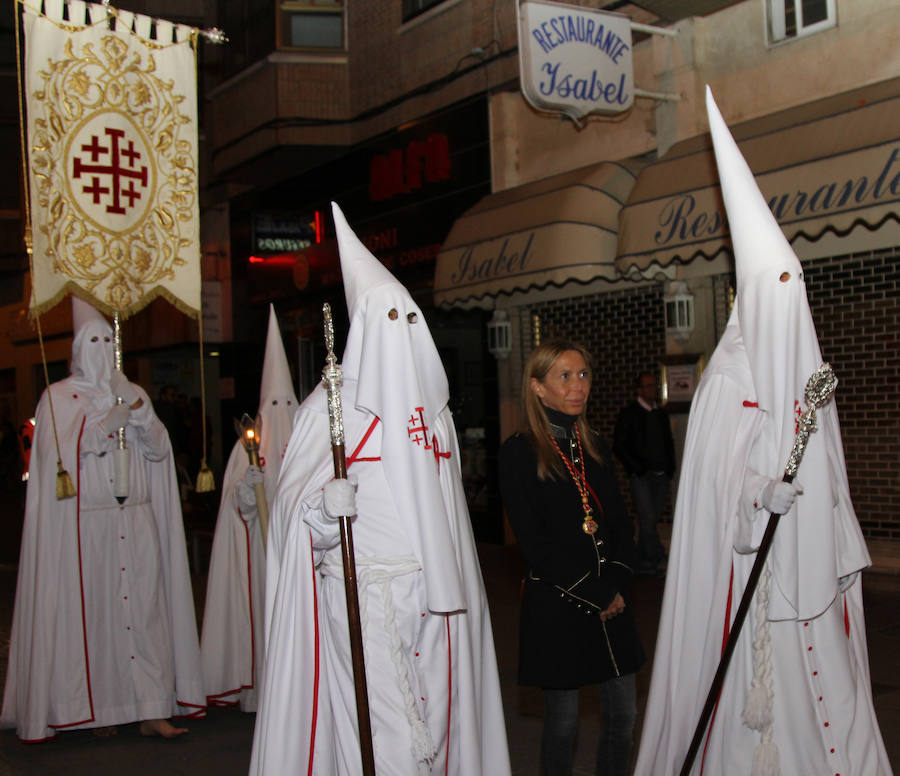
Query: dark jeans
[(618, 712), (648, 493)]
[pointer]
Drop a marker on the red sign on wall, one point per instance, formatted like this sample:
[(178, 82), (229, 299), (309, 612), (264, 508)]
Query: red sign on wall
[(403, 170)]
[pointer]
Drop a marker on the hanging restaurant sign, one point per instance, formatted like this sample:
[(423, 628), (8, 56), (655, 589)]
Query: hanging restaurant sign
[(575, 60)]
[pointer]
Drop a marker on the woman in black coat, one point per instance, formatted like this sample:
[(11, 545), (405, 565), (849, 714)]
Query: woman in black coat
[(560, 492)]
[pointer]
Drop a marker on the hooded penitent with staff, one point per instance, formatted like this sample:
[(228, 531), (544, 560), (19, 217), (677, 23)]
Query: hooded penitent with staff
[(103, 629), (232, 643), (433, 689), (797, 697)]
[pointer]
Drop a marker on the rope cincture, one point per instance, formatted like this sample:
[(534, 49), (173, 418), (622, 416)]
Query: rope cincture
[(758, 711), (381, 571)]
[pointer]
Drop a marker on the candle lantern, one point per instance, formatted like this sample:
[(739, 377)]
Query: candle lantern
[(250, 430)]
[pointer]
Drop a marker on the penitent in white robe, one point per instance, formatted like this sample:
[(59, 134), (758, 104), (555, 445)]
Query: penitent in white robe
[(232, 642), (824, 722), (432, 675), (800, 665), (103, 630), (232, 645)]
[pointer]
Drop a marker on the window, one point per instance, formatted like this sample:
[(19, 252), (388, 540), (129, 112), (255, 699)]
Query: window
[(412, 8), (791, 19), (317, 24)]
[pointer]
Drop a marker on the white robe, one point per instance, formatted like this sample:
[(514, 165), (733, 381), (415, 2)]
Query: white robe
[(232, 643), (427, 670), (104, 631), (824, 722)]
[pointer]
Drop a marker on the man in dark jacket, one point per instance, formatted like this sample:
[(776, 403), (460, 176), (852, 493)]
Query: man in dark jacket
[(643, 443)]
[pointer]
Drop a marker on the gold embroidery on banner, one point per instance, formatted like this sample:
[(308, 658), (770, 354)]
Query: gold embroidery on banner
[(113, 163)]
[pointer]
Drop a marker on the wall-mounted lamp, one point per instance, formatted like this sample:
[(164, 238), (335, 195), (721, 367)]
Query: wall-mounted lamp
[(499, 332), (679, 306)]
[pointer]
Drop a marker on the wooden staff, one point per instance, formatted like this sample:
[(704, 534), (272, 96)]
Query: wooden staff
[(819, 389), (331, 379)]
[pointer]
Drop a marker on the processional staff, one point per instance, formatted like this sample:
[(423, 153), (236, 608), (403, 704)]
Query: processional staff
[(819, 389), (332, 377)]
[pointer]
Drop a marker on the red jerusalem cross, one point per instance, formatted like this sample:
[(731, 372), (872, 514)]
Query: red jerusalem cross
[(119, 173), (415, 431)]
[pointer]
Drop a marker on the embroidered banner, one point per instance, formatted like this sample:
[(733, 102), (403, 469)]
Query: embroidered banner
[(112, 158)]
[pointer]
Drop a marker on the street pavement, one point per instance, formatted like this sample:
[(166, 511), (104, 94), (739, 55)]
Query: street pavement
[(220, 744)]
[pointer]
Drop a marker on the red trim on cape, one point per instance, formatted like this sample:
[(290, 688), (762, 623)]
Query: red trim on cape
[(62, 727), (250, 607), (315, 707), (353, 456), (200, 712), (87, 660), (38, 740), (449, 694)]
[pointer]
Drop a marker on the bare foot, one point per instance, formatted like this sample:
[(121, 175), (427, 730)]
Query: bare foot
[(160, 727), (105, 732)]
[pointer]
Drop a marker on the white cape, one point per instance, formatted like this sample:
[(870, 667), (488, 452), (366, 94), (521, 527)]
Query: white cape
[(104, 631), (824, 720), (424, 667), (232, 642)]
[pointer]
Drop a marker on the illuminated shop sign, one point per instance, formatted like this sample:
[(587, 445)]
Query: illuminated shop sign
[(574, 60), (402, 170), (283, 232)]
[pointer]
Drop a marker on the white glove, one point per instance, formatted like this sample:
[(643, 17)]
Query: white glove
[(245, 491), (120, 387), (115, 419), (339, 498), (778, 496)]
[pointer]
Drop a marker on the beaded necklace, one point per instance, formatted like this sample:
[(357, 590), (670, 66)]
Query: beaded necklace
[(580, 479)]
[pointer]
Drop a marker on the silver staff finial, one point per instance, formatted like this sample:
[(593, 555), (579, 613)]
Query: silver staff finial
[(215, 35), (332, 377), (819, 389)]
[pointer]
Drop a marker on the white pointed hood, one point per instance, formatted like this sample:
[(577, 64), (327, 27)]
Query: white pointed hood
[(401, 380), (381, 344), (773, 325), (92, 348), (277, 402), (771, 301)]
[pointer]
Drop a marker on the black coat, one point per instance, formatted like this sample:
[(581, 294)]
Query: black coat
[(643, 440), (560, 645)]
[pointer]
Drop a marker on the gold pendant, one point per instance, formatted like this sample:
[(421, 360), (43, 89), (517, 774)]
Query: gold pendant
[(590, 526)]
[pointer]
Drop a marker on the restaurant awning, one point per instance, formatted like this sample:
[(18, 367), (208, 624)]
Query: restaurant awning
[(823, 167), (551, 231)]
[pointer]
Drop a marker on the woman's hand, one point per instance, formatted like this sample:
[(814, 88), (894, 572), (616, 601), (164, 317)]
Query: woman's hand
[(616, 607)]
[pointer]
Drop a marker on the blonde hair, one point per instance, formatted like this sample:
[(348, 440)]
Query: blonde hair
[(537, 366)]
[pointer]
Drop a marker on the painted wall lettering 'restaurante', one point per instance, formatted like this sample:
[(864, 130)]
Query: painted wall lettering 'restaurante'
[(577, 62), (568, 29), (690, 216)]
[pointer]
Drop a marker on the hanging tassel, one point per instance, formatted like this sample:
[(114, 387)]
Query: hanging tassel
[(758, 713), (422, 744), (758, 708), (206, 482), (765, 758), (65, 488)]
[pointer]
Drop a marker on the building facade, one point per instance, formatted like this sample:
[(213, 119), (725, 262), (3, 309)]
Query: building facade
[(410, 115)]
